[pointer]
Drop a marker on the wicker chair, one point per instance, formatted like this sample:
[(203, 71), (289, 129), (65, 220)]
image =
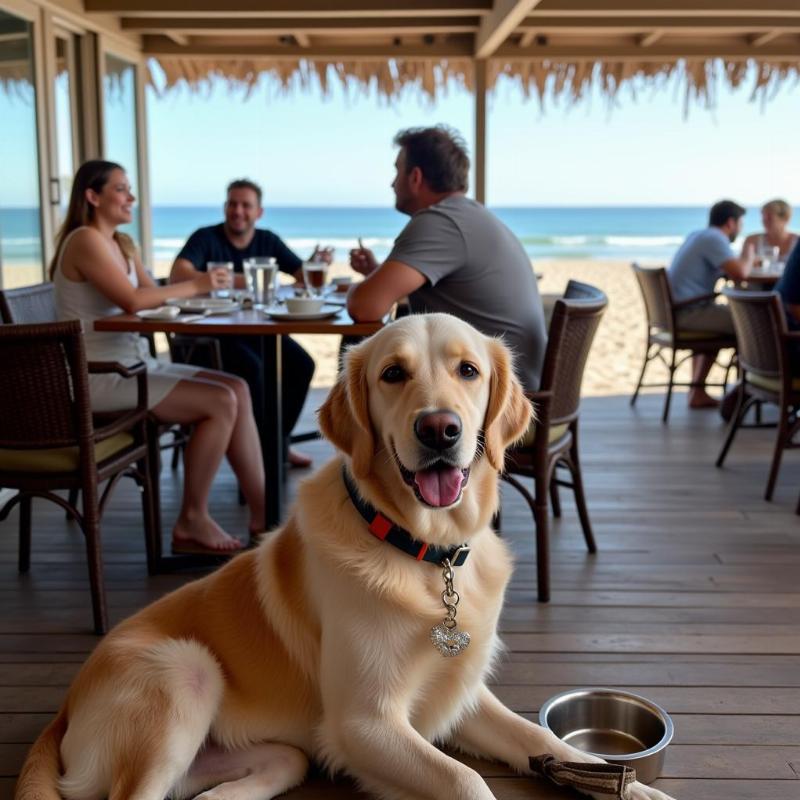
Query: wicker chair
[(48, 440), (663, 333), (28, 304), (765, 363), (555, 435)]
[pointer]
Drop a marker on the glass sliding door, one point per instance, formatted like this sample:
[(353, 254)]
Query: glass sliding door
[(119, 94), (20, 210)]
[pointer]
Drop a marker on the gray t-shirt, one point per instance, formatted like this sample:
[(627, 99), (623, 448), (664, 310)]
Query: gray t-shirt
[(696, 267), (478, 271)]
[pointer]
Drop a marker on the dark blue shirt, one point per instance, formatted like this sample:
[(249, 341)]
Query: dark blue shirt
[(211, 244), (788, 287)]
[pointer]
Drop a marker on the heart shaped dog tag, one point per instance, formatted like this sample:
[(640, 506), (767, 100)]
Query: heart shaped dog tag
[(449, 642)]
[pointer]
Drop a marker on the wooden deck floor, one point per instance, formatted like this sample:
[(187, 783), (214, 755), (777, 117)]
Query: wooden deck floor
[(693, 601)]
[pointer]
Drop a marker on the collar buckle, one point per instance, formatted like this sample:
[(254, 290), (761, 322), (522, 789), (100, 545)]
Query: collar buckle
[(459, 555)]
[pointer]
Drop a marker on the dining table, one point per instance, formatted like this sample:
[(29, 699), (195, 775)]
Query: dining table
[(254, 322)]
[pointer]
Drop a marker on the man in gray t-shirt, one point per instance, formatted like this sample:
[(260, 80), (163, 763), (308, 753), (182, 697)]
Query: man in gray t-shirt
[(704, 258), (453, 256)]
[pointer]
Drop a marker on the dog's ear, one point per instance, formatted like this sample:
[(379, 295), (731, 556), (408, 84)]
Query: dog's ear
[(509, 412), (344, 416)]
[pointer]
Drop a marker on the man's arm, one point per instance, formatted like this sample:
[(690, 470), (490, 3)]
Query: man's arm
[(374, 297), (738, 269), (182, 270)]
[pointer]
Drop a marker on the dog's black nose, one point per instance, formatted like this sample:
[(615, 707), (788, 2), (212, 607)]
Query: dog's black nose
[(438, 430)]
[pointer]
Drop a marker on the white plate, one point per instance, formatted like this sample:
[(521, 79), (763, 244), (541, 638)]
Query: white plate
[(215, 304), (162, 312), (287, 316)]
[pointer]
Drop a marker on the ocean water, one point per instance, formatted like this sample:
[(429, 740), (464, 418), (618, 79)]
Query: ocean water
[(650, 234)]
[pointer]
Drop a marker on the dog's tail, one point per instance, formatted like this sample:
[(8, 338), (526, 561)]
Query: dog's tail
[(42, 769)]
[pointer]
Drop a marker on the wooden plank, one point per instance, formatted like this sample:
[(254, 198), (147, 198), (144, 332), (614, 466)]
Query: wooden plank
[(734, 50), (284, 8), (496, 27), (591, 23), (687, 8)]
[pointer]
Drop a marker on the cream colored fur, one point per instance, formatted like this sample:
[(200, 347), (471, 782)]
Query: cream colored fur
[(316, 645)]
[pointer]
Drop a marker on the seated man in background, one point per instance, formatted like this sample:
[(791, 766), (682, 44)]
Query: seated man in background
[(453, 255), (704, 258), (236, 239)]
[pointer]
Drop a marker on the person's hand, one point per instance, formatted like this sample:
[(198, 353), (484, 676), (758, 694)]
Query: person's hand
[(219, 278), (750, 255), (363, 260), (323, 255)]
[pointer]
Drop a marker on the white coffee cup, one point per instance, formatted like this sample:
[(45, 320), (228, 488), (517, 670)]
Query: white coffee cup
[(304, 305)]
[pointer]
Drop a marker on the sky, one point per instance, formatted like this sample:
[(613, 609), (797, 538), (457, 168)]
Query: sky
[(310, 150)]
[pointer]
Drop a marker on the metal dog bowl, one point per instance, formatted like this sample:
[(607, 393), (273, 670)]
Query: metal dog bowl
[(620, 727)]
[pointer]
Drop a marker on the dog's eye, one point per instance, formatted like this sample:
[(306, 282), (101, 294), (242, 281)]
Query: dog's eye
[(393, 374), (467, 370)]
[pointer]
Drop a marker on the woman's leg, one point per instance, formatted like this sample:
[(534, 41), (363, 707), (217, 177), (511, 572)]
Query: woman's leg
[(244, 448), (212, 408)]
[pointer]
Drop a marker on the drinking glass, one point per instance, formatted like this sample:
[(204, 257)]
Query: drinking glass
[(314, 275), (260, 274), (227, 265)]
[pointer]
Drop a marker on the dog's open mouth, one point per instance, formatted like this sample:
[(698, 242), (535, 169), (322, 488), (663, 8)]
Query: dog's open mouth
[(438, 485)]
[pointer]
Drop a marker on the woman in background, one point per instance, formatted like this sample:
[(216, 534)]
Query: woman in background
[(775, 216), (96, 271)]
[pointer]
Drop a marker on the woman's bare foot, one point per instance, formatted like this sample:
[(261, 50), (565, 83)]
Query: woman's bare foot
[(203, 532), (298, 460), (699, 398)]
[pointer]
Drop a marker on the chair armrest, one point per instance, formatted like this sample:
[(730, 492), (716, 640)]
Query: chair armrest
[(126, 419), (698, 299), (792, 336)]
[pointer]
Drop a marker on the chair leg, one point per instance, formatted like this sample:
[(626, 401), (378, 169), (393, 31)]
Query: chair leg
[(580, 497), (152, 521), (94, 557), (25, 534), (555, 500), (668, 400), (72, 499), (780, 443), (742, 405), (641, 374), (540, 515)]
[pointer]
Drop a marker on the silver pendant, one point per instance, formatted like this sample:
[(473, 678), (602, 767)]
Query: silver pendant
[(449, 641)]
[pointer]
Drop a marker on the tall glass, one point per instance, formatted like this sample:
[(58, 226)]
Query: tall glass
[(314, 276), (226, 265), (260, 274)]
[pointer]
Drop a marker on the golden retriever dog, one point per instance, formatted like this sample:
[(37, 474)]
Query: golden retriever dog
[(338, 639)]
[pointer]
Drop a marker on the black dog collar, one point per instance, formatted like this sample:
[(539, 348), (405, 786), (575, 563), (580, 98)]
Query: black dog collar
[(384, 529)]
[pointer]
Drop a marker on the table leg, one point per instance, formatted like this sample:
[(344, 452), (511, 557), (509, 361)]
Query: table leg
[(272, 430)]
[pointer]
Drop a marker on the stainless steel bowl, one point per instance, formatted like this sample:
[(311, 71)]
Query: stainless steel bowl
[(620, 727)]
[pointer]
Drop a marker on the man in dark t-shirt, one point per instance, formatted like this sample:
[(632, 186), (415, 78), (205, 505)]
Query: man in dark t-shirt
[(235, 240)]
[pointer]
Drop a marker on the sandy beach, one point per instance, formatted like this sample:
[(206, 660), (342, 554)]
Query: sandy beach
[(616, 356)]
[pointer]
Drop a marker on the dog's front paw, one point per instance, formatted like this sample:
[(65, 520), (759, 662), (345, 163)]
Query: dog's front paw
[(638, 791)]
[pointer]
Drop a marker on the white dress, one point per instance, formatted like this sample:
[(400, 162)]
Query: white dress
[(111, 392)]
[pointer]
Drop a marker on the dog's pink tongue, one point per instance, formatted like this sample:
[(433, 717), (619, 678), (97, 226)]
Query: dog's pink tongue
[(439, 487)]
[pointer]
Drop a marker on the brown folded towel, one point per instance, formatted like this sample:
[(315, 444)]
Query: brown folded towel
[(610, 779)]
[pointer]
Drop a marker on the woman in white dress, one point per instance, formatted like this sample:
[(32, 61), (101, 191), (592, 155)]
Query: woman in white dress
[(96, 271), (775, 216)]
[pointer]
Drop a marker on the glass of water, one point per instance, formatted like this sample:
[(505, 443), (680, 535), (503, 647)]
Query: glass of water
[(261, 274), (226, 265)]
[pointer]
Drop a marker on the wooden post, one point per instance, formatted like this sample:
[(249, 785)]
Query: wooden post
[(480, 130)]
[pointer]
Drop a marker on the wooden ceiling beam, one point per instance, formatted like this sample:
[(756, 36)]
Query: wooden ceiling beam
[(759, 40), (496, 27), (311, 27), (659, 52), (302, 39), (163, 47), (265, 9), (649, 39), (556, 23), (179, 38), (683, 8)]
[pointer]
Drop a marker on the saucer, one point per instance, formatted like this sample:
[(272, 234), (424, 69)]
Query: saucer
[(215, 305), (286, 316)]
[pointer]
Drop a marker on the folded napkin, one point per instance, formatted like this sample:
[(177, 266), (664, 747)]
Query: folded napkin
[(610, 779)]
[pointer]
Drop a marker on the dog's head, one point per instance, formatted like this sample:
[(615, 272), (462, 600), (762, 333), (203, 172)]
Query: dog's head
[(424, 403)]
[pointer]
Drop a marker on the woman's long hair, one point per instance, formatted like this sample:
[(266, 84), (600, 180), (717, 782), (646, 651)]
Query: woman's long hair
[(93, 175)]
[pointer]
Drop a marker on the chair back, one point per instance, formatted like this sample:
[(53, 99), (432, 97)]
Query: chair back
[(657, 297), (47, 404), (577, 290), (759, 322), (28, 304), (572, 329)]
